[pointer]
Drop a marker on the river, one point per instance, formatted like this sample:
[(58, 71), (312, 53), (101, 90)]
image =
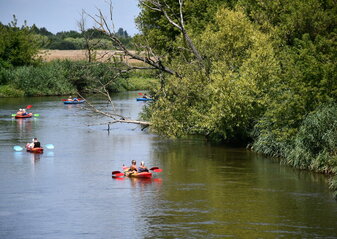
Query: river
[(204, 191)]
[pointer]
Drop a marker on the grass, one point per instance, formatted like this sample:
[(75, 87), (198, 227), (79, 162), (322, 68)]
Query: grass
[(140, 83)]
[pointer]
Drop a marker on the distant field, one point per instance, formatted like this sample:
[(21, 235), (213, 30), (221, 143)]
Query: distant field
[(78, 55)]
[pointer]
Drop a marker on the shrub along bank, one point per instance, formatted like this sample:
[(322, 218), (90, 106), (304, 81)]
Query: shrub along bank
[(267, 78), (67, 77)]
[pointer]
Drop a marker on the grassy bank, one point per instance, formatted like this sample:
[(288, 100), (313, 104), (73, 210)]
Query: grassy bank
[(67, 77)]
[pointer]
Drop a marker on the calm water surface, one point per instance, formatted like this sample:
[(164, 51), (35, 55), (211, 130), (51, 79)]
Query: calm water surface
[(204, 191)]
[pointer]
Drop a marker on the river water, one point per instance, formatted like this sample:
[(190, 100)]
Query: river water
[(204, 191)]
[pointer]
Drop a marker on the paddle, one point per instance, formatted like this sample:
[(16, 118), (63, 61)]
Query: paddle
[(140, 93), (36, 115), (49, 146), (17, 148), (117, 173), (29, 106), (156, 169)]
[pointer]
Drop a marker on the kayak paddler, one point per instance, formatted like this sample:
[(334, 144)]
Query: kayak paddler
[(133, 167), (142, 167)]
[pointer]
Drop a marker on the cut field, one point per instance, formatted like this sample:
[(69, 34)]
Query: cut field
[(81, 55)]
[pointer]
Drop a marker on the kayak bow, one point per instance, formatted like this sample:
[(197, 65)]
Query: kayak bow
[(35, 150)]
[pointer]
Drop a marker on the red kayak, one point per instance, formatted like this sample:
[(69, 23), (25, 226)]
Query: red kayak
[(135, 174), (139, 175), (127, 173), (23, 116), (35, 150)]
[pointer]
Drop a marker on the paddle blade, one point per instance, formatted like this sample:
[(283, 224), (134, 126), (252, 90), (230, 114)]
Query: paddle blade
[(13, 115), (36, 115), (64, 99), (17, 148), (49, 146), (29, 106), (117, 174), (158, 170), (140, 93)]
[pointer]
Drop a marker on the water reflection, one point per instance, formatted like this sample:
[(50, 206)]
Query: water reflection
[(205, 191), (35, 158), (139, 182)]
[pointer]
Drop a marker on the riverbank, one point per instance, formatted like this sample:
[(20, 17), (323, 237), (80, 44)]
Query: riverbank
[(62, 77)]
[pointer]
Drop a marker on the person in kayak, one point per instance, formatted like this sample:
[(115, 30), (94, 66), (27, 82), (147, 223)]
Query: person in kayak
[(142, 168), (133, 167), (37, 144), (70, 98), (145, 96), (19, 112), (24, 112)]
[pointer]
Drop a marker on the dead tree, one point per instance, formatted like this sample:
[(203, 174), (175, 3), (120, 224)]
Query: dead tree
[(147, 55), (177, 20), (116, 118)]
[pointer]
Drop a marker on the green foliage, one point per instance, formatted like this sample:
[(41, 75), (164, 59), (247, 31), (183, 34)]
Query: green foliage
[(73, 40), (223, 103), (9, 91), (162, 36), (140, 80), (270, 77), (62, 45), (307, 80), (68, 77), (315, 145), (47, 79), (17, 46), (86, 76)]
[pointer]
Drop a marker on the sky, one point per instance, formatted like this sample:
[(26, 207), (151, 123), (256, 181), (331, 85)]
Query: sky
[(63, 15)]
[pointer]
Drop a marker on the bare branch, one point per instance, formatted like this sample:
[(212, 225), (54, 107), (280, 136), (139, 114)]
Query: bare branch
[(159, 7), (127, 121), (150, 60)]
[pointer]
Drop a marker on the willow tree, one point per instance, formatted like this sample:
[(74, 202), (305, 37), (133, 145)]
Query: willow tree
[(223, 100)]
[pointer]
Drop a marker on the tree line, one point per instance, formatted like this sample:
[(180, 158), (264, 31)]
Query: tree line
[(259, 73), (68, 40)]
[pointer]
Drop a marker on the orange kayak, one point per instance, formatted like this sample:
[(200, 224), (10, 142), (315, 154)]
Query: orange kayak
[(35, 150), (23, 116)]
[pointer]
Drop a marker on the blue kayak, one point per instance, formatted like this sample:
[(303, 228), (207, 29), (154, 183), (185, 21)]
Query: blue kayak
[(144, 99), (74, 102)]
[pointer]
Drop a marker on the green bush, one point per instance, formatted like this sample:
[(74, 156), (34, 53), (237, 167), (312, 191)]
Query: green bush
[(9, 91), (68, 77), (315, 144), (47, 79)]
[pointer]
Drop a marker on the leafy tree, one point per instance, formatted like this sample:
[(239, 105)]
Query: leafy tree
[(62, 45), (224, 102), (17, 45), (162, 36), (41, 31)]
